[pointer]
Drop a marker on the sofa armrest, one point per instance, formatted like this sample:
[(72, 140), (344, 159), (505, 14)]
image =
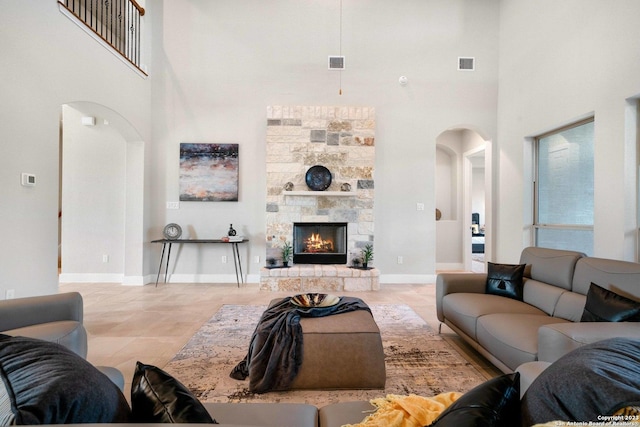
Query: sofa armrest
[(558, 339), (449, 283), (22, 312)]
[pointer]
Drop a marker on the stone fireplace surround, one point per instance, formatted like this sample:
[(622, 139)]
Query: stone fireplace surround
[(342, 139)]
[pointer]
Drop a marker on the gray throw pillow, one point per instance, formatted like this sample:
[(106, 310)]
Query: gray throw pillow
[(586, 384), (505, 280)]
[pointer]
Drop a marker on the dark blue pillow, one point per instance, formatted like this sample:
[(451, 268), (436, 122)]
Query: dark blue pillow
[(604, 305), (494, 403), (505, 280), (48, 384), (157, 397)]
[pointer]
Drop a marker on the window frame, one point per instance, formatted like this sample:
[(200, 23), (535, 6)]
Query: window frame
[(536, 226)]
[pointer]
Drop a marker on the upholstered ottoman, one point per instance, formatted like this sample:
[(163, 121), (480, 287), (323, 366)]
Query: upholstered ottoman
[(341, 351)]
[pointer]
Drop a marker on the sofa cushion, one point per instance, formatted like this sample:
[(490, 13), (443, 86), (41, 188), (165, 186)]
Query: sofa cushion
[(494, 403), (341, 413), (464, 309), (505, 280), (264, 414), (157, 397), (512, 338), (68, 333), (607, 378), (552, 266), (542, 295), (49, 384), (570, 306), (620, 276), (604, 305)]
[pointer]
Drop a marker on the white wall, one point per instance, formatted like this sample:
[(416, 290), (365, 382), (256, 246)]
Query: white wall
[(560, 61), (217, 65), (93, 200), (47, 61)]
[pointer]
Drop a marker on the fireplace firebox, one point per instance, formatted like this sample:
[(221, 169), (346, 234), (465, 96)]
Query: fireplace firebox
[(320, 243)]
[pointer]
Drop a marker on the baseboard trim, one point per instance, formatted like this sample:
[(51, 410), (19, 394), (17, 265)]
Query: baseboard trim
[(407, 278), (90, 278), (450, 266)]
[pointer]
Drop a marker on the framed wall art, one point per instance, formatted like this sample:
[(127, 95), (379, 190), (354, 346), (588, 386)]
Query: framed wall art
[(209, 172)]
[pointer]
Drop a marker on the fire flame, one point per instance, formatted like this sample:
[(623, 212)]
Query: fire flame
[(315, 243)]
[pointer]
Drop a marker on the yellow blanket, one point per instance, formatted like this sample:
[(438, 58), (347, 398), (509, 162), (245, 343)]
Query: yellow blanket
[(407, 411)]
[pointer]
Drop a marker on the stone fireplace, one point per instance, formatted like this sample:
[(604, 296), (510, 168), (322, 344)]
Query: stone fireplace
[(341, 139)]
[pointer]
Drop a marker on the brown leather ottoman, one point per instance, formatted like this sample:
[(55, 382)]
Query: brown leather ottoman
[(341, 351)]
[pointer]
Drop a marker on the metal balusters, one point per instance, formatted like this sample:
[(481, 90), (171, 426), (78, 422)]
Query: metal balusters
[(117, 22)]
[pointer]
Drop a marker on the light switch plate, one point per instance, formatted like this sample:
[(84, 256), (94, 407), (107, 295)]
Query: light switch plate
[(28, 179)]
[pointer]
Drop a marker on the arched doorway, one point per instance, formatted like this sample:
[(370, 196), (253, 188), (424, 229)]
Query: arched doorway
[(101, 196), (463, 185)]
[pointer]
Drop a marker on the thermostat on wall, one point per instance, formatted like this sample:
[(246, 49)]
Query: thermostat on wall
[(28, 179)]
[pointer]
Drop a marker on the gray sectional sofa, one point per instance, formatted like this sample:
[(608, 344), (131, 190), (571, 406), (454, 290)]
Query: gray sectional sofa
[(59, 319), (546, 324)]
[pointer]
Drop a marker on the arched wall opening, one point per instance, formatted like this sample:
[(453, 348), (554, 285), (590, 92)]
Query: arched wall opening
[(463, 189), (101, 196)]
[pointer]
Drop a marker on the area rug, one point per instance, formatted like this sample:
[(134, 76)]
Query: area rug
[(417, 360)]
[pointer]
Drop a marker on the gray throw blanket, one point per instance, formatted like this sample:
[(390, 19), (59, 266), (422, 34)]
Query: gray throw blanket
[(276, 348)]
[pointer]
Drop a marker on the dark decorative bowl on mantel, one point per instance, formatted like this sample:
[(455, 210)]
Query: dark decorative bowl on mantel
[(318, 178)]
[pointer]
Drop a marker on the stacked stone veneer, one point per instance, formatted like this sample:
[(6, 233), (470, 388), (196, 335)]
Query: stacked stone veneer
[(343, 140)]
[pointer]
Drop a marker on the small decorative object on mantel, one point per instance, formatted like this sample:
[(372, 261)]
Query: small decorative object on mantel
[(345, 187), (231, 231), (367, 255), (172, 231), (318, 178), (288, 186), (287, 252)]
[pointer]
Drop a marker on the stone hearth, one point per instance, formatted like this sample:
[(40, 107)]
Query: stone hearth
[(319, 278)]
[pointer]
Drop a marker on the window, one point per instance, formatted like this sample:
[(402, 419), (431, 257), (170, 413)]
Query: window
[(563, 208)]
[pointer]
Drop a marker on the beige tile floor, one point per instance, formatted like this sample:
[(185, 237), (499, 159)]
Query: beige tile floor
[(151, 324)]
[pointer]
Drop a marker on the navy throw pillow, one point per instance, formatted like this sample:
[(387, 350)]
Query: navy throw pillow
[(157, 397), (604, 305), (505, 280), (47, 383), (494, 403)]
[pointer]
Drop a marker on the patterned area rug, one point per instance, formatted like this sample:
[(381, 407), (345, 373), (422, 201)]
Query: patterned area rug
[(417, 360)]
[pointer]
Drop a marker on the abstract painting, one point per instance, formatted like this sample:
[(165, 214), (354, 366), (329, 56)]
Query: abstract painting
[(208, 172)]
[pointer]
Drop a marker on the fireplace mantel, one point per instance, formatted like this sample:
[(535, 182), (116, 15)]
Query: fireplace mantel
[(310, 193)]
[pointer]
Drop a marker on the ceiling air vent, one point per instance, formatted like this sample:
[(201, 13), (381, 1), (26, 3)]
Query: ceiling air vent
[(466, 63), (336, 62)]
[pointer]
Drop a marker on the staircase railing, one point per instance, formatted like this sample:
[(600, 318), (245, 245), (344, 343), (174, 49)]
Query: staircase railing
[(116, 22)]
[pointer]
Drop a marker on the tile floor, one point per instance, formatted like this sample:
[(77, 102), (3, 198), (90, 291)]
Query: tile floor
[(151, 324)]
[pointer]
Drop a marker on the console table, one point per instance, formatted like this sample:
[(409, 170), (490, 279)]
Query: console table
[(234, 246)]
